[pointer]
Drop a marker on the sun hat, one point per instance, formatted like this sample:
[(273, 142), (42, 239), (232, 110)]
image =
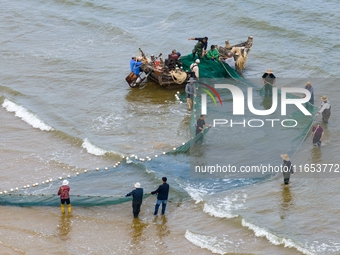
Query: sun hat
[(308, 83), (137, 185), (324, 98), (269, 71), (285, 157), (65, 182)]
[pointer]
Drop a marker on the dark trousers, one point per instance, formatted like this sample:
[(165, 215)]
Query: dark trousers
[(136, 208), (316, 140), (286, 180)]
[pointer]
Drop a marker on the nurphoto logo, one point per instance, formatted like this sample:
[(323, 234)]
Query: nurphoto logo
[(239, 101)]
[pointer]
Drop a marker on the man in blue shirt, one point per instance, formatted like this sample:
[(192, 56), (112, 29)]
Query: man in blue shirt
[(162, 195), (134, 65)]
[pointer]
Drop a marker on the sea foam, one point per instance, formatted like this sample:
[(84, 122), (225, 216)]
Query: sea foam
[(274, 239), (25, 115)]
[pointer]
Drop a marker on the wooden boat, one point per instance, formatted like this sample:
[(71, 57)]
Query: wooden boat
[(173, 73)]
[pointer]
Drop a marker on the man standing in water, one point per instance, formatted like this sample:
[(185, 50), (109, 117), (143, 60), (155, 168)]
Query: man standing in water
[(190, 90), (269, 81), (200, 127), (162, 195), (137, 199), (325, 109), (287, 168), (63, 192), (317, 133)]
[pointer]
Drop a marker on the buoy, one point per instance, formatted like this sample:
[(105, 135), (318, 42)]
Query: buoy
[(114, 166), (85, 171), (5, 192), (16, 188), (47, 181), (136, 157), (174, 148), (163, 152), (156, 156), (77, 173), (60, 178), (33, 185), (24, 187), (106, 168), (43, 182), (132, 155), (118, 162), (183, 143), (123, 157), (50, 180), (68, 176), (37, 184), (97, 169), (11, 190), (177, 92), (0, 192), (127, 158), (27, 186)]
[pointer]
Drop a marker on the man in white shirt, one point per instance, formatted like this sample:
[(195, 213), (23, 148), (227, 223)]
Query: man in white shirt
[(194, 69), (325, 109)]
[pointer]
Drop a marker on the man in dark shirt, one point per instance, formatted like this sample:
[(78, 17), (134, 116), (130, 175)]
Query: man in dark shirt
[(200, 126), (137, 199), (162, 195), (317, 133), (287, 168), (200, 46), (269, 81)]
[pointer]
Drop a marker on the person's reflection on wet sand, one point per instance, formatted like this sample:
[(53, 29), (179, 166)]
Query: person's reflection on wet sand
[(286, 201), (64, 226), (137, 231), (161, 226)]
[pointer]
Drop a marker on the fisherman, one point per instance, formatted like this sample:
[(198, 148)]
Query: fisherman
[(200, 127), (135, 65), (190, 90), (200, 47), (287, 168), (213, 53), (325, 109), (63, 192), (317, 133), (230, 60), (162, 195), (269, 81), (137, 199), (174, 55), (311, 90), (194, 69)]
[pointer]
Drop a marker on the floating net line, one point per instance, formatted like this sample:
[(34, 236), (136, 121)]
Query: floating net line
[(107, 186)]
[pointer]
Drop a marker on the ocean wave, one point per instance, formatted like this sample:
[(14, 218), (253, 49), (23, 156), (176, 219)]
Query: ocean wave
[(95, 150), (196, 194), (274, 239), (25, 115), (205, 242)]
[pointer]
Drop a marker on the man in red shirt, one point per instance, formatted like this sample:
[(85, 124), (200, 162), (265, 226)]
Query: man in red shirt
[(317, 133), (63, 192)]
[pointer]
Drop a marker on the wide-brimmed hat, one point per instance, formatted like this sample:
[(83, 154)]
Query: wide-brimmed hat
[(191, 80), (65, 182), (137, 185), (269, 71), (308, 83), (324, 98), (285, 157)]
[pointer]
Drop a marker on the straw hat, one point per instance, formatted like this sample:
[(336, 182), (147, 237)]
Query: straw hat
[(285, 157), (308, 83), (269, 71), (65, 182), (324, 98), (137, 185)]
